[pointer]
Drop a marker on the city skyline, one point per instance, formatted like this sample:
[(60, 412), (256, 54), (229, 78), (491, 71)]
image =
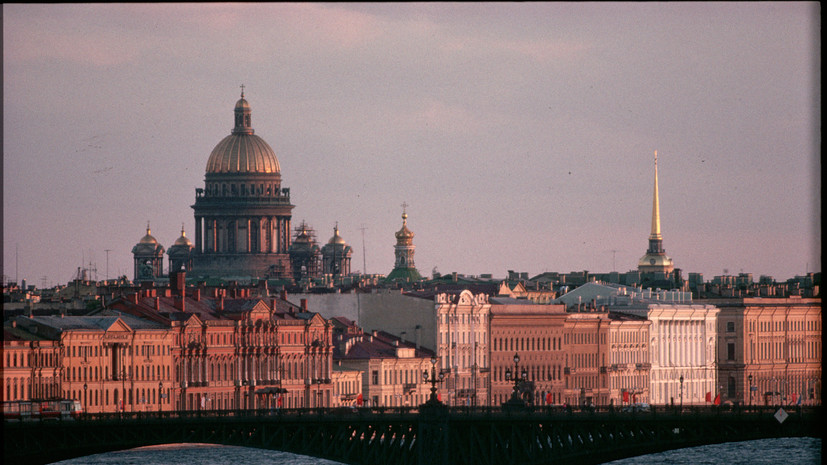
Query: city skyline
[(521, 136)]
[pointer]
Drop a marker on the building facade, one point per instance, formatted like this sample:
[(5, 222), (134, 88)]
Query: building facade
[(108, 363), (392, 368), (462, 325), (769, 351), (629, 366), (234, 351), (535, 334)]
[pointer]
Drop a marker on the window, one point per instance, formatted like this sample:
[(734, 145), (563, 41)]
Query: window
[(375, 376), (730, 326), (730, 351)]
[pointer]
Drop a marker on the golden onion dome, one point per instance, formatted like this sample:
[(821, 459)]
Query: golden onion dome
[(242, 151), (404, 236)]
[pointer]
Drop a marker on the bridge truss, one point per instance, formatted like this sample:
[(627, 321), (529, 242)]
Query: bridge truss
[(432, 436)]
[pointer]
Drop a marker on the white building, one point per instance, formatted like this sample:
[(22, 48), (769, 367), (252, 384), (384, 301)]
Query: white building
[(682, 338), (462, 346)]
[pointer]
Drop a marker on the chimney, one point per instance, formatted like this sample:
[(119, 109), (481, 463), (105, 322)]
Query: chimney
[(196, 295), (273, 305), (132, 298), (283, 294), (304, 305), (157, 304), (180, 303), (178, 281)]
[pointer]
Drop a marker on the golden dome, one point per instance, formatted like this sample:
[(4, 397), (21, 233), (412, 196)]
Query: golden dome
[(404, 236), (183, 240), (148, 239), (336, 239), (242, 151)]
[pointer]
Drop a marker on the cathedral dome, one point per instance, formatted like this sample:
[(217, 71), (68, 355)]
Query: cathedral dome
[(242, 152)]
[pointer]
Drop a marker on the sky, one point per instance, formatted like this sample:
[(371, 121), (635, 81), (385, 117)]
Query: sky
[(521, 136)]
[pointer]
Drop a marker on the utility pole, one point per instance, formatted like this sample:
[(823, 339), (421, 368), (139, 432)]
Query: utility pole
[(364, 259), (107, 263)]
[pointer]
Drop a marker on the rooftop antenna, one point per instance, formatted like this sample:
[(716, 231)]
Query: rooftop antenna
[(16, 281), (364, 259)]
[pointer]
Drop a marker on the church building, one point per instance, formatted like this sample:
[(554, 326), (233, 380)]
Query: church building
[(242, 214)]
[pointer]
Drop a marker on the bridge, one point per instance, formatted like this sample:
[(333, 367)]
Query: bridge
[(428, 435)]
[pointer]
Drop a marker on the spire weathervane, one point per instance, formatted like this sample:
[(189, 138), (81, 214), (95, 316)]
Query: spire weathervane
[(242, 90)]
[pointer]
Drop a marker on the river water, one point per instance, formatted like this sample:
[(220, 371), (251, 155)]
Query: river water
[(787, 451)]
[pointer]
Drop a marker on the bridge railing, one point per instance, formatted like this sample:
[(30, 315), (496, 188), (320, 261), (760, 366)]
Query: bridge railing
[(556, 411)]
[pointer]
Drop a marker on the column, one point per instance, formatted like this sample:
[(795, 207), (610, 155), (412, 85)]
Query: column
[(198, 240)]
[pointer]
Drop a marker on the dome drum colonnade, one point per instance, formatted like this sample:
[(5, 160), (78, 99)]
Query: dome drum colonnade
[(242, 215)]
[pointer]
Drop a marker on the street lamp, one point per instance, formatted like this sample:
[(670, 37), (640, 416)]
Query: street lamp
[(518, 377), (160, 395), (750, 389), (434, 379), (85, 401), (681, 380)]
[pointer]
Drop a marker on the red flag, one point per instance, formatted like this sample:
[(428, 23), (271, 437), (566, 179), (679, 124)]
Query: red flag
[(717, 399), (359, 399), (625, 396), (548, 398), (280, 401), (708, 396), (439, 397), (795, 396)]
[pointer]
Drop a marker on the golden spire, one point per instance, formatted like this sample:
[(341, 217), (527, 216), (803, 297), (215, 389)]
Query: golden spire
[(656, 206)]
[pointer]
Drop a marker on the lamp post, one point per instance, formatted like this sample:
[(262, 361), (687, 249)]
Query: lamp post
[(775, 389), (681, 380), (85, 401), (750, 390), (518, 377), (160, 395), (433, 379)]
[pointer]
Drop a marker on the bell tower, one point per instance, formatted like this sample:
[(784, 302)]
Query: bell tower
[(404, 268)]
